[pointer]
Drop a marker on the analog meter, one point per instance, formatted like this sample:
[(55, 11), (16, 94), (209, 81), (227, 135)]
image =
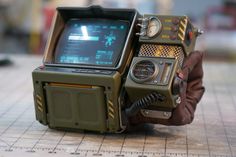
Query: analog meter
[(154, 27), (143, 71)]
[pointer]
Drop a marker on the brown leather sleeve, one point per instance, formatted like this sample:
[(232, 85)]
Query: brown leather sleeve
[(191, 94)]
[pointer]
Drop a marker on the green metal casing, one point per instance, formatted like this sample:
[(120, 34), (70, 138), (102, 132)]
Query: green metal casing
[(80, 97)]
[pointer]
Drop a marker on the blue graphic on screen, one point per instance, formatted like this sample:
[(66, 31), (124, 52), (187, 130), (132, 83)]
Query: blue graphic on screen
[(110, 39), (96, 42)]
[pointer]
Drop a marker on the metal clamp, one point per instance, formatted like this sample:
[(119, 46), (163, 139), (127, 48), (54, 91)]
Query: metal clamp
[(156, 114)]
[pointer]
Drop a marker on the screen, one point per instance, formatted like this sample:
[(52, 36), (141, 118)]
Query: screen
[(96, 42)]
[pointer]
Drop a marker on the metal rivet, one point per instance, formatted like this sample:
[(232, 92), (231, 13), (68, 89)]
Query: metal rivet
[(178, 100), (166, 114), (146, 112)]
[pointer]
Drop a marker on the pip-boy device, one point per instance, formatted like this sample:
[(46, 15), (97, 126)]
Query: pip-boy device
[(102, 66)]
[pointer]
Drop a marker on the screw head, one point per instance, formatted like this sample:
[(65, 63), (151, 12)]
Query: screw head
[(178, 100), (146, 112), (166, 114)]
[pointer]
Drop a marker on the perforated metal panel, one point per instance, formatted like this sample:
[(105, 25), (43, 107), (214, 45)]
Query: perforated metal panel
[(153, 50)]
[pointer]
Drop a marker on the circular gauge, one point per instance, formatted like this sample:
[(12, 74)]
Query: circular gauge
[(143, 71), (154, 27)]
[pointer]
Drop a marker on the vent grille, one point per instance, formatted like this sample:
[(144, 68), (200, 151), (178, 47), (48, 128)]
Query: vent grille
[(152, 50)]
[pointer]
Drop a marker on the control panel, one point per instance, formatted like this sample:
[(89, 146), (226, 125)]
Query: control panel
[(162, 29)]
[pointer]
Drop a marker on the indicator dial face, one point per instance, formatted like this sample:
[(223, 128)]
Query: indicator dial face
[(143, 71), (154, 27)]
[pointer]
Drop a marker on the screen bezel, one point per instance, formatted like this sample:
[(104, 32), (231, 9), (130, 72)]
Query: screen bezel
[(116, 61), (63, 14)]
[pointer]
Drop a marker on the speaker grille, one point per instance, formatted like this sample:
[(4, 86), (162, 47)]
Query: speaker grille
[(152, 50)]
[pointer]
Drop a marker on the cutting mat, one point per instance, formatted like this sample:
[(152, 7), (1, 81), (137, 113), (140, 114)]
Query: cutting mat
[(213, 132)]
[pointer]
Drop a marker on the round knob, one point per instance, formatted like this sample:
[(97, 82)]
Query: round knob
[(190, 35), (174, 29), (177, 85), (175, 21)]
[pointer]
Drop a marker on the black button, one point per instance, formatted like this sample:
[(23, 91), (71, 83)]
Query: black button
[(175, 21), (174, 29), (173, 37)]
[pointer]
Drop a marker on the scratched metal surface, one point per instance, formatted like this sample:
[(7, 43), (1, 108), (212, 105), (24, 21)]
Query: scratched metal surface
[(213, 132)]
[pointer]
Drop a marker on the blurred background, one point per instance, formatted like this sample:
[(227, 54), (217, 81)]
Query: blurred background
[(24, 24)]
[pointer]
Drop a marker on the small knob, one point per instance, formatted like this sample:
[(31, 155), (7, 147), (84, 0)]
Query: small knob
[(177, 85), (175, 21), (142, 19), (190, 35), (199, 32), (142, 26), (173, 37), (174, 29), (140, 34)]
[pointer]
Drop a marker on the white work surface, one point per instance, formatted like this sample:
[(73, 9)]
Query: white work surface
[(213, 132)]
